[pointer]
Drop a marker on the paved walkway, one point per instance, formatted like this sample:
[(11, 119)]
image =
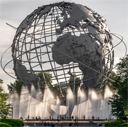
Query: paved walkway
[(64, 122)]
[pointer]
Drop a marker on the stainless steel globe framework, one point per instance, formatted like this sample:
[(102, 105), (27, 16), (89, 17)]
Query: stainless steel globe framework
[(39, 33), (66, 40)]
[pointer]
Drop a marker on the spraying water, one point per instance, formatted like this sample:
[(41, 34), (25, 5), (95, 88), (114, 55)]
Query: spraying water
[(81, 105)]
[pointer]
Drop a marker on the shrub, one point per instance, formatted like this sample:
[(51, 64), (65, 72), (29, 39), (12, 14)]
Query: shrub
[(12, 122), (124, 124), (4, 125), (107, 124), (22, 124), (116, 124), (18, 122), (9, 122)]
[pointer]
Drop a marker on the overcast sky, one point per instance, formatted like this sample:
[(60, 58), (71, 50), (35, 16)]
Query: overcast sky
[(14, 11)]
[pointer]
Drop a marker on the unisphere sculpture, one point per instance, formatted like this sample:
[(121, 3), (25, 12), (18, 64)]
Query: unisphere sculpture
[(74, 45), (66, 40), (59, 38)]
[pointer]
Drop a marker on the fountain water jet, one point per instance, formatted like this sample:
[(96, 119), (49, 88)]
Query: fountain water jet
[(79, 105), (23, 105), (70, 102)]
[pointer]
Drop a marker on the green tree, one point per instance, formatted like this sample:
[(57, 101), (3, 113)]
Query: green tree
[(1, 81), (46, 79), (4, 107), (57, 88), (15, 86), (75, 80), (119, 100), (112, 76)]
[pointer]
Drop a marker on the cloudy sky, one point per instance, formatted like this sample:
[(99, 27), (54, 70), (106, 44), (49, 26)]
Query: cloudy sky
[(14, 11)]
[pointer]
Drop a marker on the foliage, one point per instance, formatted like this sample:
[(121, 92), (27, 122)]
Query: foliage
[(48, 80), (4, 125), (47, 77), (21, 123), (119, 100), (116, 124), (114, 77), (9, 122), (122, 68), (123, 124), (4, 108), (56, 87), (107, 124), (15, 86), (1, 81), (77, 82), (13, 122)]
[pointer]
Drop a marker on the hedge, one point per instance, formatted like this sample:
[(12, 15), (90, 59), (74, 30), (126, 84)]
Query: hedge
[(12, 122), (22, 124), (4, 125), (124, 124), (117, 124)]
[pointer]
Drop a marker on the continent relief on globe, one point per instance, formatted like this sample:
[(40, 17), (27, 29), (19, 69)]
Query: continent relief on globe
[(70, 48), (23, 76)]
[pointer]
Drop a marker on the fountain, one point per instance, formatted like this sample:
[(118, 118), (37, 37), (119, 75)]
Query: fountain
[(80, 106), (24, 102), (70, 101)]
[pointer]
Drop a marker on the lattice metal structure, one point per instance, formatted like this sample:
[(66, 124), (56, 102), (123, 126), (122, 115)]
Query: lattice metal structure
[(64, 39)]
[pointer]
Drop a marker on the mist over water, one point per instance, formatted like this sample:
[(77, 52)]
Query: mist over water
[(80, 105)]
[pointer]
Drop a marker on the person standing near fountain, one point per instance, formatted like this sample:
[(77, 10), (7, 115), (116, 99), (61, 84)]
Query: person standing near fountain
[(21, 118), (45, 123), (92, 117), (70, 124), (58, 119), (39, 118), (84, 117), (28, 117), (72, 118)]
